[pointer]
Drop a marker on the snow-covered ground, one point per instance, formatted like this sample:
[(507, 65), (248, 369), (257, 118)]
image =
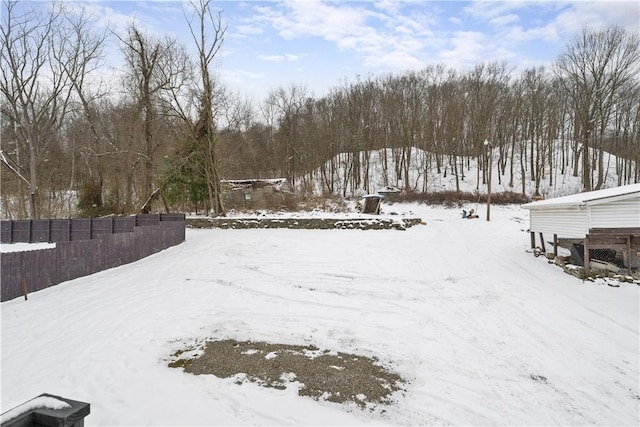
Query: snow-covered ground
[(21, 247), (485, 333)]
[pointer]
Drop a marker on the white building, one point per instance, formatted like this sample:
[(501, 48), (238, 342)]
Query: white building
[(608, 218), (573, 216)]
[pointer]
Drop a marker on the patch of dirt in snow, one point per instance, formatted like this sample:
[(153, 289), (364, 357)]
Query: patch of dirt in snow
[(322, 375)]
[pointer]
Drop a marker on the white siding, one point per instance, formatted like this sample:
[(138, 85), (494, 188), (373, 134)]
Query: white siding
[(570, 223), (621, 213)]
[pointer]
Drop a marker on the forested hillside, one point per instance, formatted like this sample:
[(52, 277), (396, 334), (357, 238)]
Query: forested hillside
[(73, 144), (414, 170)]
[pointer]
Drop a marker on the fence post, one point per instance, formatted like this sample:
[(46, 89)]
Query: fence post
[(69, 230), (49, 232), (24, 288), (587, 261), (90, 228), (11, 231), (30, 231), (112, 222), (629, 237)]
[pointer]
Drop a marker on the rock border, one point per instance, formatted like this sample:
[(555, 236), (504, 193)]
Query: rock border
[(306, 223)]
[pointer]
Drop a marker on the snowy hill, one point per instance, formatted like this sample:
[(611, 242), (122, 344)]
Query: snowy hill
[(413, 169)]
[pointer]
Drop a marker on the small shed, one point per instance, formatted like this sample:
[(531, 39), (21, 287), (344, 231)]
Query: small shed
[(254, 192), (613, 211), (372, 204), (390, 193)]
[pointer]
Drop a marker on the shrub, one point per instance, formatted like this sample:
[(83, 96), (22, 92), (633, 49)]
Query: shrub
[(90, 201)]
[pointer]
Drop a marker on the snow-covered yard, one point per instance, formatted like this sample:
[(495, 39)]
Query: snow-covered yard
[(484, 332)]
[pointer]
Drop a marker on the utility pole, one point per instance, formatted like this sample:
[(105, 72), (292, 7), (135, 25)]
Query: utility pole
[(487, 144)]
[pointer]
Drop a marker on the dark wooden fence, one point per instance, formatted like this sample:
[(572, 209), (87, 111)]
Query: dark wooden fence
[(83, 247)]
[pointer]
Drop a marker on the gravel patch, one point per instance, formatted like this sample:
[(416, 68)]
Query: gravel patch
[(321, 374)]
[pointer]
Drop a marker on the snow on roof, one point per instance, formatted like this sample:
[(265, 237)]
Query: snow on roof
[(252, 180), (584, 198), (389, 189), (254, 183)]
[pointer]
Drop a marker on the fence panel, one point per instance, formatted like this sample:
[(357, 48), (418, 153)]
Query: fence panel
[(64, 230), (171, 217), (21, 231), (124, 225), (40, 231), (83, 246), (101, 226), (5, 232), (147, 219), (81, 229), (60, 230), (11, 277), (37, 268), (41, 267)]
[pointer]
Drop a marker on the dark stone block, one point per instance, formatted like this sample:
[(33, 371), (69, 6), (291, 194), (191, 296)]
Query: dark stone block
[(66, 417)]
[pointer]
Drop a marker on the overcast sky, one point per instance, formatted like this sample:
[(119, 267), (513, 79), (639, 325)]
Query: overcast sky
[(322, 44)]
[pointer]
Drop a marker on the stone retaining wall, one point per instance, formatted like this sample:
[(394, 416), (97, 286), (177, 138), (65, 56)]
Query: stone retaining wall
[(385, 223)]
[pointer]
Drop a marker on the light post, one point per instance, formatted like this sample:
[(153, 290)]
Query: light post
[(487, 144)]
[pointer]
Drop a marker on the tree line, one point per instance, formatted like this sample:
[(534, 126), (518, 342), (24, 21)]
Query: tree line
[(72, 143)]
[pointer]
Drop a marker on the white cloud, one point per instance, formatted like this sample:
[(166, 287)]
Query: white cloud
[(103, 16), (230, 74), (526, 32), (170, 8), (239, 78), (517, 34), (598, 15), (271, 58), (396, 60), (327, 20), (280, 58), (248, 30), (489, 9), (389, 6), (503, 20), (382, 36), (327, 38), (106, 17), (467, 48)]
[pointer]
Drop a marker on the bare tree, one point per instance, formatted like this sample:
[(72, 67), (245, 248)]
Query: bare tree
[(41, 55), (208, 33), (288, 104), (536, 101), (85, 58), (594, 68), (624, 141), (155, 67)]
